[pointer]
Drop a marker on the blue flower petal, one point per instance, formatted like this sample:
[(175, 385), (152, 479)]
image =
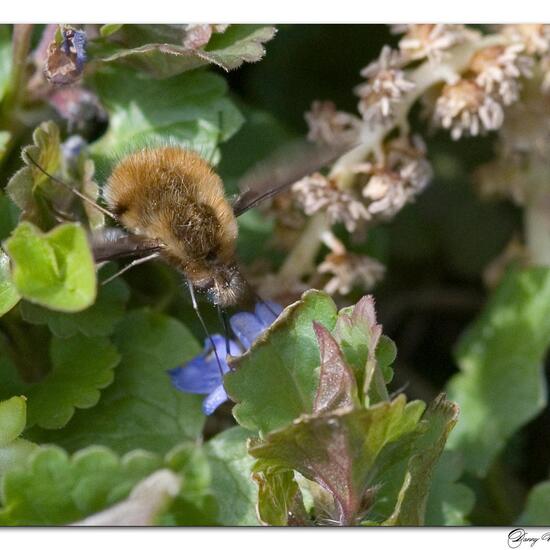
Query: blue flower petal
[(214, 400), (247, 327), (267, 312), (202, 374)]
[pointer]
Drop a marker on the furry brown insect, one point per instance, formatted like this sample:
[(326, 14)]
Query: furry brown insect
[(173, 206), (172, 196)]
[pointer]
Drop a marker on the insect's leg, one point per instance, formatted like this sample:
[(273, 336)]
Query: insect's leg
[(226, 329), (203, 324), (130, 265)]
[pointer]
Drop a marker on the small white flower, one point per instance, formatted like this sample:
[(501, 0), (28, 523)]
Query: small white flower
[(316, 192), (349, 270), (430, 40), (465, 108), (327, 125), (385, 86)]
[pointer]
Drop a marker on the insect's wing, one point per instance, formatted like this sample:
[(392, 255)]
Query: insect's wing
[(112, 243), (283, 168)]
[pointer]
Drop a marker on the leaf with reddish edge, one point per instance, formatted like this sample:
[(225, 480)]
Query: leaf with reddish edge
[(337, 386), (365, 348), (338, 450)]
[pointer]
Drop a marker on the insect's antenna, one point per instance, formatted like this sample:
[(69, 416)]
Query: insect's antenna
[(222, 314), (203, 324), (69, 187)]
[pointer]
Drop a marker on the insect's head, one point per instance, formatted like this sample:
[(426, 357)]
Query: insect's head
[(226, 286)]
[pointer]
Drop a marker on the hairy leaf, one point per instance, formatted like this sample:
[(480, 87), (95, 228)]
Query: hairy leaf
[(338, 450), (167, 50)]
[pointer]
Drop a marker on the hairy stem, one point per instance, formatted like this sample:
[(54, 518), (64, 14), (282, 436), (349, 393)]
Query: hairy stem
[(537, 228)]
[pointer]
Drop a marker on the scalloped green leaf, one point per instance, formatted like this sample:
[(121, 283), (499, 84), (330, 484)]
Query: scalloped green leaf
[(54, 269), (276, 380), (12, 419), (29, 188), (141, 408), (53, 488), (501, 385), (13, 449), (194, 113), (81, 366), (99, 319)]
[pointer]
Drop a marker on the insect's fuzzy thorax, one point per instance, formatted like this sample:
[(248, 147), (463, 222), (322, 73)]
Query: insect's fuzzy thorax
[(172, 195)]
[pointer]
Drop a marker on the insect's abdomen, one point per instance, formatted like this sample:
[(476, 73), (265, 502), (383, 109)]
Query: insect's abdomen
[(173, 195)]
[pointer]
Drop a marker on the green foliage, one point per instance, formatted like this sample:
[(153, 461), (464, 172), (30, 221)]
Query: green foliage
[(8, 293), (537, 508), (501, 386), (13, 449), (97, 320), (195, 112), (55, 489), (55, 269), (162, 51), (275, 381), (140, 409)]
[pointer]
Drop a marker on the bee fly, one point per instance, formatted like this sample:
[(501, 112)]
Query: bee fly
[(171, 205)]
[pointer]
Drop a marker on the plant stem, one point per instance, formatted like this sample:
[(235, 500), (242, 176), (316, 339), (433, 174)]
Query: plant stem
[(537, 228), (15, 94)]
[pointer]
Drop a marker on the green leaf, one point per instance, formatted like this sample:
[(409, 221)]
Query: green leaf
[(279, 499), (141, 408), (81, 367), (366, 349), (13, 449), (338, 450), (12, 419), (275, 381), (196, 503), (434, 429), (337, 386), (108, 29), (231, 470), (501, 385), (537, 508), (9, 216), (8, 293), (449, 502), (29, 188), (5, 59), (160, 50), (98, 320), (54, 489), (194, 112), (55, 269)]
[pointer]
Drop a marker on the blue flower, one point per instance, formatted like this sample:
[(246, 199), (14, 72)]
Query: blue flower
[(202, 374)]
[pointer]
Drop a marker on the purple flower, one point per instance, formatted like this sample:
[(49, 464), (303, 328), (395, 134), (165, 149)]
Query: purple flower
[(202, 374)]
